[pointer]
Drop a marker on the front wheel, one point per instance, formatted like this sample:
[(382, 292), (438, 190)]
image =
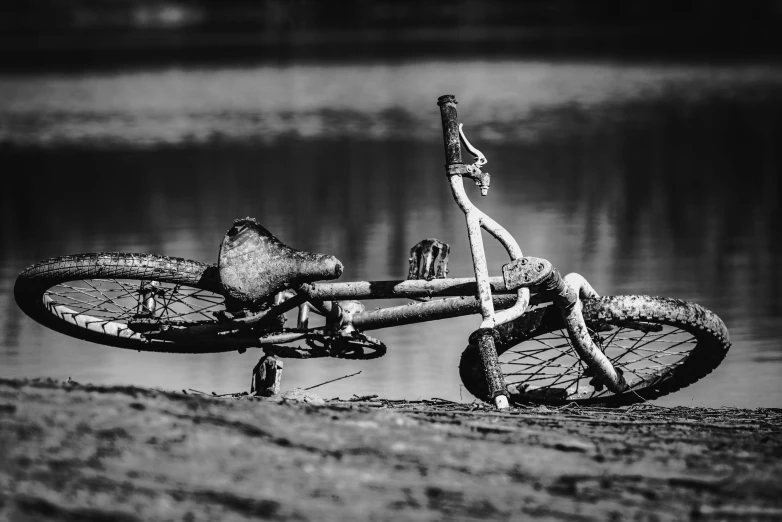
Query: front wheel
[(661, 345)]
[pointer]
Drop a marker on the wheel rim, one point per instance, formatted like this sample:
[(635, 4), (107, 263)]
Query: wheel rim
[(547, 367), (111, 306)]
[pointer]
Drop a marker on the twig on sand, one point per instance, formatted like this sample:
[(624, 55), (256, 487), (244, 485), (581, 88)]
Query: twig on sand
[(356, 398), (333, 380), (438, 399)]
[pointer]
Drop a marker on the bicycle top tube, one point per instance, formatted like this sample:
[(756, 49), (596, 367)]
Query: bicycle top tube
[(408, 288)]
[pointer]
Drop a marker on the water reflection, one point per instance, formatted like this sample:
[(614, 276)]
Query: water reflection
[(506, 100), (645, 180)]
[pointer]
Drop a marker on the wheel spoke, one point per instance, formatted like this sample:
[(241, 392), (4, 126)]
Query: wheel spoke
[(106, 297), (636, 346), (117, 300), (575, 362), (662, 356), (533, 356), (178, 298), (646, 356), (548, 362), (89, 306)]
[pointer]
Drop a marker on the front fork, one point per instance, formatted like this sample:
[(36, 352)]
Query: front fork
[(566, 295), (486, 335)]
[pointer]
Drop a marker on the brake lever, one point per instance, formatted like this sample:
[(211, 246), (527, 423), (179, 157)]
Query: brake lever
[(480, 159), (482, 179)]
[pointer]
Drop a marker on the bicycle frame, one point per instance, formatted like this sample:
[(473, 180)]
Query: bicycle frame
[(328, 299), (491, 297), (464, 304), (166, 304)]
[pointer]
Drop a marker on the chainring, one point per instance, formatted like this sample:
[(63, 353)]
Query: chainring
[(355, 345)]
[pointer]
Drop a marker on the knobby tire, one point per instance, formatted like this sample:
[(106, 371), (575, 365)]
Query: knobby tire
[(34, 296), (535, 350)]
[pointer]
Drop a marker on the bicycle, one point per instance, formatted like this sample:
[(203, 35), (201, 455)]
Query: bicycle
[(543, 338)]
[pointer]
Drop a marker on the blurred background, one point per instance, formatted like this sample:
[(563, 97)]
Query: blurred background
[(634, 142)]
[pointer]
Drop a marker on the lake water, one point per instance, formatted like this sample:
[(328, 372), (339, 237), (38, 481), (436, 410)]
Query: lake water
[(646, 179)]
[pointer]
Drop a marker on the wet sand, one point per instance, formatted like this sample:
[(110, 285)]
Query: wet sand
[(81, 452)]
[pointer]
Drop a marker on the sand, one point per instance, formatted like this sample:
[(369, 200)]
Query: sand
[(81, 452)]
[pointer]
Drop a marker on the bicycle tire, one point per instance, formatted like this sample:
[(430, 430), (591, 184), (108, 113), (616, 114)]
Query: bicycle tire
[(35, 295), (637, 315)]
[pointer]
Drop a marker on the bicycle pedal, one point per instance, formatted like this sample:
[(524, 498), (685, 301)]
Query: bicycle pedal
[(429, 260)]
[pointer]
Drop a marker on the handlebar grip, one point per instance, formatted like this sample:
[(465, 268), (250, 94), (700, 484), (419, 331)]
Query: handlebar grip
[(453, 147)]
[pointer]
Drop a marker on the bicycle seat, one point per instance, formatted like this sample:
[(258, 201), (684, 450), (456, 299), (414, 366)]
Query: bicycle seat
[(254, 265)]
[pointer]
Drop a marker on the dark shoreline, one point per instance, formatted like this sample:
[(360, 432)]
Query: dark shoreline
[(669, 43), (41, 34)]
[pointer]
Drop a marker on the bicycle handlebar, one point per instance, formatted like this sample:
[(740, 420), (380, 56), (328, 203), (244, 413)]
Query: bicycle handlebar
[(453, 147)]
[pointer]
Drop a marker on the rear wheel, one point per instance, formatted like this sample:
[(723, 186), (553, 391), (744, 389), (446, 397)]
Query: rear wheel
[(660, 345), (123, 299)]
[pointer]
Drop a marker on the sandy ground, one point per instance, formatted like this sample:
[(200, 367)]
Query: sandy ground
[(79, 452)]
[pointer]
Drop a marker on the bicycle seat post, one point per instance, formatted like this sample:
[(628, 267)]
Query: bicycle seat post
[(484, 337)]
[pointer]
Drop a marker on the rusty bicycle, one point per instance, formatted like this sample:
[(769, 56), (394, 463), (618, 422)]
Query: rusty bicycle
[(543, 338)]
